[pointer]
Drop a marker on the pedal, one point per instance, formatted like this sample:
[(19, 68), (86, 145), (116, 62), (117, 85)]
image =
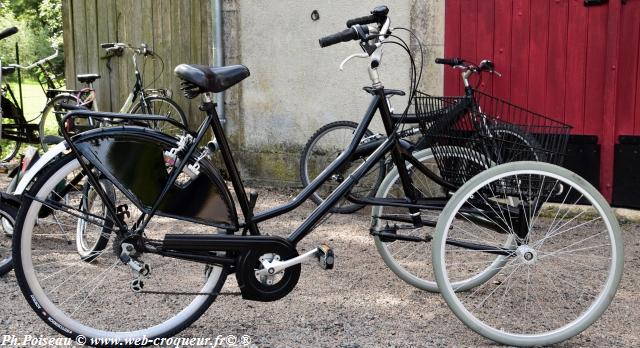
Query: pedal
[(253, 199), (136, 285), (325, 256)]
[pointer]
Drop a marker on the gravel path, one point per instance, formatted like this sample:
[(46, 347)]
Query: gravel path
[(359, 303)]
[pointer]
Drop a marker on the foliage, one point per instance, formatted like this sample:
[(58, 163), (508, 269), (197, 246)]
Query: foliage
[(40, 25)]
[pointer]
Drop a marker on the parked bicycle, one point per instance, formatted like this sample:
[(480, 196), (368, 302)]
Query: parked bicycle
[(45, 132), (140, 100), (155, 225), (330, 140)]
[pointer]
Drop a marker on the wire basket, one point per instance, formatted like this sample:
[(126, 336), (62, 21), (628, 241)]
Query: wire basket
[(472, 136)]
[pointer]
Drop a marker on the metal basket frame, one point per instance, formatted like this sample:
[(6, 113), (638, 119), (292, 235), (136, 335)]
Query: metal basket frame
[(469, 134)]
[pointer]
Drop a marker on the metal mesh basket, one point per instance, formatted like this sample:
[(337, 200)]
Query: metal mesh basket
[(469, 138)]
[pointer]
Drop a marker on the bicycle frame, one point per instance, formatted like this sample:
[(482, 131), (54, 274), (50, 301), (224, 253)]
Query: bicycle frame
[(399, 149)]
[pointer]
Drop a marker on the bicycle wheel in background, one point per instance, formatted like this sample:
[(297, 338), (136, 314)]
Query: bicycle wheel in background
[(514, 144), (558, 278), (166, 107), (324, 146), (8, 214), (410, 260), (50, 131), (9, 148), (76, 297)]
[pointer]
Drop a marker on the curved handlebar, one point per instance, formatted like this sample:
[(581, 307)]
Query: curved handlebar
[(362, 20), (118, 47), (8, 32), (40, 62)]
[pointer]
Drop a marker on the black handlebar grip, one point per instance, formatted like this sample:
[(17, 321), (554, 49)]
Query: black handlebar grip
[(8, 32), (343, 36), (362, 20), (107, 45), (450, 61)]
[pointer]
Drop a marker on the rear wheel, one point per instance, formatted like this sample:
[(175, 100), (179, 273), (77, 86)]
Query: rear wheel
[(100, 298), (410, 260), (559, 276)]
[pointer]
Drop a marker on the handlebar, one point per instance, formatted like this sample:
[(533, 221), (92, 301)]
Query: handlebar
[(450, 61), (40, 62), (8, 32), (118, 47), (362, 20), (343, 36), (378, 15)]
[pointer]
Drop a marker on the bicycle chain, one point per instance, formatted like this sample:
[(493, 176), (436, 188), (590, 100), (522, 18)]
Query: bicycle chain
[(152, 292)]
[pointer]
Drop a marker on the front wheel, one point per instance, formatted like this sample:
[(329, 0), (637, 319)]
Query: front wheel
[(559, 276), (162, 106), (322, 148), (8, 214), (11, 125)]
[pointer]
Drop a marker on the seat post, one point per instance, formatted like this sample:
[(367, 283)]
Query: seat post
[(227, 156)]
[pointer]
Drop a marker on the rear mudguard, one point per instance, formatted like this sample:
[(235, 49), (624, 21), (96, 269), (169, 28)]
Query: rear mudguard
[(132, 158)]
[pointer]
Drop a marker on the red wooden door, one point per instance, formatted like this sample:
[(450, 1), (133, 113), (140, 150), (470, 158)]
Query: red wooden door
[(573, 63)]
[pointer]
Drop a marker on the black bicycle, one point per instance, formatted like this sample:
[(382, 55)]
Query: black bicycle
[(174, 235), (330, 140)]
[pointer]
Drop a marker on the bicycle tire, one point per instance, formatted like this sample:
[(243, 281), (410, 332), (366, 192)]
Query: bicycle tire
[(48, 114), (415, 269), (556, 236), (61, 315), (163, 106), (307, 174)]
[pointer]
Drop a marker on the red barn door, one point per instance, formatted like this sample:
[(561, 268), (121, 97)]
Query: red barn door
[(575, 63)]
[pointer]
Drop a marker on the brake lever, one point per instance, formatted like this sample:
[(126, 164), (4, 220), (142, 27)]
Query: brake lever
[(355, 55), (496, 73)]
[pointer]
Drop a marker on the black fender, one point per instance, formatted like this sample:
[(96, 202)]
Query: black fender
[(132, 157)]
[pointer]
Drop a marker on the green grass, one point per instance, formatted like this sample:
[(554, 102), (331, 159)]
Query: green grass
[(34, 99)]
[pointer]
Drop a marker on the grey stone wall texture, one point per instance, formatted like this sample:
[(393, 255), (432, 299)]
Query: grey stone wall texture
[(295, 87)]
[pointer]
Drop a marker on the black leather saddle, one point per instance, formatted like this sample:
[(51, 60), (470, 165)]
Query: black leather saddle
[(212, 79), (88, 78)]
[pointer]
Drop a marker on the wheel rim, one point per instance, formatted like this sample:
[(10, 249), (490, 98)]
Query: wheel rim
[(49, 124), (415, 267), (48, 264), (541, 279)]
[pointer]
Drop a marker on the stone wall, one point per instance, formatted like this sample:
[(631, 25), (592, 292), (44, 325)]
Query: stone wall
[(295, 86)]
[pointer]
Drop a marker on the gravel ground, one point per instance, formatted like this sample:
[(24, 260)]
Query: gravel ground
[(359, 303)]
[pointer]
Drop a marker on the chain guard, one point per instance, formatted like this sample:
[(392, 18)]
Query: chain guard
[(252, 289)]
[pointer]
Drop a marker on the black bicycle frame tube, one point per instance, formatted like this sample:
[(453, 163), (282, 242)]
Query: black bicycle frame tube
[(376, 103)]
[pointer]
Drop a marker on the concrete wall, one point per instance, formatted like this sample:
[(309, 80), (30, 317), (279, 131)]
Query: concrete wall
[(295, 86)]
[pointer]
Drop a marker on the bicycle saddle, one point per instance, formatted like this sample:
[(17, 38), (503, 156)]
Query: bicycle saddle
[(8, 70), (210, 79), (88, 78)]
